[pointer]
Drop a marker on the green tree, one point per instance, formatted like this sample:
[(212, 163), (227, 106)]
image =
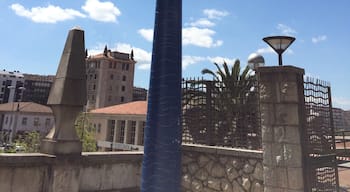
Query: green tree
[(86, 133), (28, 142), (225, 112), (234, 92)]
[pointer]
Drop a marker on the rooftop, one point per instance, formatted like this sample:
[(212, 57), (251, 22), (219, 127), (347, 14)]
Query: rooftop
[(25, 107), (132, 108)]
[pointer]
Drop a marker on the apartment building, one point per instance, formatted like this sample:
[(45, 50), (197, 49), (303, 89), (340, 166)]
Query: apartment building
[(37, 88), (110, 78), (11, 86)]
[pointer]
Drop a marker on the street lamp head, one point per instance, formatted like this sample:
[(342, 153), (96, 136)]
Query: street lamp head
[(255, 60), (279, 44)]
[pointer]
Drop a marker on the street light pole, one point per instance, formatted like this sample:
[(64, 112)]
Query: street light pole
[(11, 87), (279, 44), (15, 115)]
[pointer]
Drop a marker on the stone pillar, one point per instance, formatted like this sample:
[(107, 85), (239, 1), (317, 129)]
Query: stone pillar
[(67, 97), (127, 131), (137, 132), (281, 105)]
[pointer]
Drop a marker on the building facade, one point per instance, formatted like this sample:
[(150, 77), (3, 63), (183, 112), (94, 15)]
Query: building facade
[(139, 94), (11, 86), (110, 78), (119, 127), (37, 88), (21, 117)]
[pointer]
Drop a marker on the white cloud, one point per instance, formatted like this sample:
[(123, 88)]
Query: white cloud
[(190, 60), (147, 34), (341, 102), (319, 38), (220, 60), (101, 11), (268, 50), (142, 56), (215, 14), (265, 50), (49, 14), (202, 22), (201, 37), (286, 30), (96, 49)]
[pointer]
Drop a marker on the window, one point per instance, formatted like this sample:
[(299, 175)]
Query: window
[(111, 76), (123, 88), (24, 120), (94, 87), (109, 98), (122, 132), (127, 67), (111, 124), (121, 99), (132, 132), (95, 76), (123, 66), (47, 122), (124, 78), (36, 121), (90, 76), (6, 119), (142, 132), (99, 128)]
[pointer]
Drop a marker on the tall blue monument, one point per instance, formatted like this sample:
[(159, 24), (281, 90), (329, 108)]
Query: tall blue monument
[(161, 167)]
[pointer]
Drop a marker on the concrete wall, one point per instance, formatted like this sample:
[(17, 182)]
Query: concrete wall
[(205, 168), (119, 171), (211, 169)]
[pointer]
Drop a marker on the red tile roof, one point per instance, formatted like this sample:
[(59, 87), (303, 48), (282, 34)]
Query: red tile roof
[(25, 107), (132, 108)]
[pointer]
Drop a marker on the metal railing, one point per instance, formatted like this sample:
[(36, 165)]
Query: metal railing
[(216, 114), (319, 141)]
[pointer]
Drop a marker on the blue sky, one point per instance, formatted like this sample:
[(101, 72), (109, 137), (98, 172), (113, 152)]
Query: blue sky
[(33, 33)]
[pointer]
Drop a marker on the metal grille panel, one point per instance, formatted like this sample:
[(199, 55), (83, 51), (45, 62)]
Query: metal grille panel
[(319, 143), (220, 116)]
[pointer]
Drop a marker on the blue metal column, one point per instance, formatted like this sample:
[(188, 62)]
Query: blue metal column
[(161, 167)]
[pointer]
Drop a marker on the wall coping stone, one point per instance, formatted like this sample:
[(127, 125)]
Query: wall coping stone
[(87, 158), (223, 151), (284, 68)]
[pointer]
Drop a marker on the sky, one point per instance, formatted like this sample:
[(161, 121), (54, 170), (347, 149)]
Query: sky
[(33, 33)]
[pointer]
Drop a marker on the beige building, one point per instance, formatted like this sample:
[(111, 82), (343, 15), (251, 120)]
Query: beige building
[(120, 127), (110, 78), (21, 117)]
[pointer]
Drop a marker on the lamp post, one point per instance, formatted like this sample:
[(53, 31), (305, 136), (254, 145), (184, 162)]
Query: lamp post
[(15, 115), (255, 60), (279, 44)]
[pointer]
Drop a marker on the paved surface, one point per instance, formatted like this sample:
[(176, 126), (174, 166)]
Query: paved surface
[(344, 178)]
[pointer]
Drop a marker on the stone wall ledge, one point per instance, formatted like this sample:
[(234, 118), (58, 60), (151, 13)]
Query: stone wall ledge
[(87, 158), (236, 152), (284, 68)]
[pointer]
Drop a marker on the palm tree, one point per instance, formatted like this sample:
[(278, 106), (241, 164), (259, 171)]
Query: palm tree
[(233, 91)]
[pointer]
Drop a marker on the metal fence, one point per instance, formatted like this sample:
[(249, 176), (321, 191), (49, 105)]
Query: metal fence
[(319, 141), (216, 114)]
